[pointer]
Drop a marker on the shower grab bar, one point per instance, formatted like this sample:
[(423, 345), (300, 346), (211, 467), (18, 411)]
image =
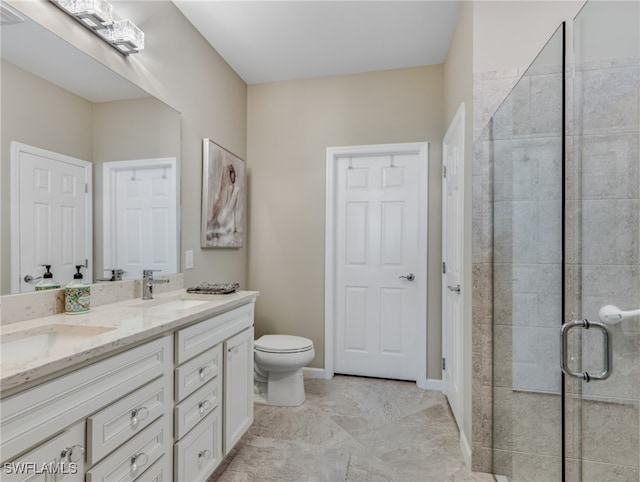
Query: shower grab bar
[(612, 314), (606, 348)]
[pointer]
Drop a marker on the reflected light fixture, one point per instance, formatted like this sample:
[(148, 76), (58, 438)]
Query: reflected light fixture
[(97, 16)]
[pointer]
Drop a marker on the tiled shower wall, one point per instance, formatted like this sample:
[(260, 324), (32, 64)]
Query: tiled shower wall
[(604, 268)]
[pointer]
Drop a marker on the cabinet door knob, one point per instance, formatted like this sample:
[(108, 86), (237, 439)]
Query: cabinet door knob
[(73, 453), (138, 415), (204, 406), (138, 460), (204, 371), (204, 455)]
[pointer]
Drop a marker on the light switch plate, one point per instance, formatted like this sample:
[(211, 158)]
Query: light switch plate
[(188, 259)]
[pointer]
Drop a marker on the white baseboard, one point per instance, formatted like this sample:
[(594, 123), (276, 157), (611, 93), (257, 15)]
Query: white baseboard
[(501, 478), (313, 372), (466, 449), (430, 384)]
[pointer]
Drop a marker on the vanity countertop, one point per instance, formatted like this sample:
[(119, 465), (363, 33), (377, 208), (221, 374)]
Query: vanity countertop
[(100, 332)]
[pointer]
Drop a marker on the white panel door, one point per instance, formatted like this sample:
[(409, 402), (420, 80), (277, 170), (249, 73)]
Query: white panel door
[(377, 258), (52, 211), (141, 230), (452, 249)]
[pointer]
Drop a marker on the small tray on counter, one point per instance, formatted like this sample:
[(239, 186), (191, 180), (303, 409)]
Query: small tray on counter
[(207, 288)]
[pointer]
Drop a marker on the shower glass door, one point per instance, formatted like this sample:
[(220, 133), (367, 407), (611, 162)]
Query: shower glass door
[(602, 417), (525, 143)]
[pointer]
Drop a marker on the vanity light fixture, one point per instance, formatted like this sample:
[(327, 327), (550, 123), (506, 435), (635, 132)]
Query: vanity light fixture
[(124, 35), (97, 16)]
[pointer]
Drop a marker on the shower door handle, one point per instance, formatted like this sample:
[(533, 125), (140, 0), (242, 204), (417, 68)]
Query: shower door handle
[(606, 349)]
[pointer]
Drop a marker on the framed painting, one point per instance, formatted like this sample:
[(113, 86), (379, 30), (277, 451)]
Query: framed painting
[(223, 197)]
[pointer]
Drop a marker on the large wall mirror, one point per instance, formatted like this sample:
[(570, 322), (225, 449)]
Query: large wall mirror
[(57, 101)]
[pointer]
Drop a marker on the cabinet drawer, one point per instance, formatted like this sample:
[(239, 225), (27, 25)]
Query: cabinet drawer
[(198, 454), (198, 371), (111, 427), (40, 412), (129, 461), (160, 471), (48, 458), (190, 411), (197, 338)]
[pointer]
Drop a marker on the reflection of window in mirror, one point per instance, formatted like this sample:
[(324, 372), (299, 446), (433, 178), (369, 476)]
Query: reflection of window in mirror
[(97, 116)]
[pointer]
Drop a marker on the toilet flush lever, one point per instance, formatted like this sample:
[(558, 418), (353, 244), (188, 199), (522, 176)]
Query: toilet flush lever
[(408, 277)]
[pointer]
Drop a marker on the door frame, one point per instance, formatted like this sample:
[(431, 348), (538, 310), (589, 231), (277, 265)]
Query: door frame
[(16, 148), (458, 120), (109, 171), (332, 157)]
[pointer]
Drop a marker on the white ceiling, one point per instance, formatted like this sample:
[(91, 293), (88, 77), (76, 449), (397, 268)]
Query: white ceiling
[(269, 41)]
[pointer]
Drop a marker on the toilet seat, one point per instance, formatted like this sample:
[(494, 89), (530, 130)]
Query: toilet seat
[(282, 344)]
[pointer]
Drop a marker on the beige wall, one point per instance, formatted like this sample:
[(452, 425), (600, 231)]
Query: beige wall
[(180, 68), (458, 81), (290, 125), (510, 34), (40, 114)]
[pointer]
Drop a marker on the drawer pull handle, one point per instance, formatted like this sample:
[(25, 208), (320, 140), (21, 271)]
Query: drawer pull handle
[(204, 406), (138, 415), (73, 453), (204, 455), (204, 372), (138, 460)]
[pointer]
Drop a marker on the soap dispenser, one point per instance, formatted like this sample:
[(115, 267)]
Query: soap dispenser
[(47, 282), (77, 294)]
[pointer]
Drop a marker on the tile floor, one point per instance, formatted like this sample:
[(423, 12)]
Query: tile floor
[(352, 429)]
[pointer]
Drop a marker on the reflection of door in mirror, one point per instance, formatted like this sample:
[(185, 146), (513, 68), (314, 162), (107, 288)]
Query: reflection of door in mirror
[(140, 216), (51, 209)]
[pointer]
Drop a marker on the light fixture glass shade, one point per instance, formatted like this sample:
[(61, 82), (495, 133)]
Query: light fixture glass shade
[(94, 13), (125, 35)]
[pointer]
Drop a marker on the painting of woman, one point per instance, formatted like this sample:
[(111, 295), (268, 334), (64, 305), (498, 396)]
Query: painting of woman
[(223, 197)]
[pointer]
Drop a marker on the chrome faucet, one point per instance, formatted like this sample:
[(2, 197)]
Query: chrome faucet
[(148, 282)]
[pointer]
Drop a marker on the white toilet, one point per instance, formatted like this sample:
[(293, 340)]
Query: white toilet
[(278, 362)]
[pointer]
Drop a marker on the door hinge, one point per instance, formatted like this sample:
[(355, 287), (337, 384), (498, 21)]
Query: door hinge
[(444, 363), (444, 267), (86, 188), (444, 170)]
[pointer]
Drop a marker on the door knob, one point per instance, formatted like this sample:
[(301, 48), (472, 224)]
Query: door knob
[(455, 288), (408, 277)]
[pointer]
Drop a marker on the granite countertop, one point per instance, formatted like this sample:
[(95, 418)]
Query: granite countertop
[(103, 330)]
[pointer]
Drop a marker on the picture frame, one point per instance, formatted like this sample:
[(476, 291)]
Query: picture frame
[(223, 197)]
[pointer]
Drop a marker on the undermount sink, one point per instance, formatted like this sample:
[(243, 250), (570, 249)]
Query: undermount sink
[(45, 341), (171, 304)]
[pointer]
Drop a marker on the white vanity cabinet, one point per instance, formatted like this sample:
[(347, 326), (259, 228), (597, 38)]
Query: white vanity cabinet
[(169, 409), (48, 422), (212, 356)]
